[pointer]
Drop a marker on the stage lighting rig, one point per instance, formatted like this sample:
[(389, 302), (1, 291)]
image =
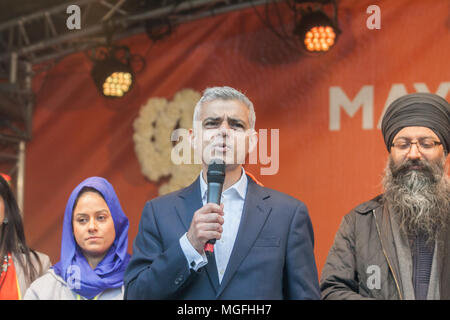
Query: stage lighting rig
[(315, 29), (112, 72)]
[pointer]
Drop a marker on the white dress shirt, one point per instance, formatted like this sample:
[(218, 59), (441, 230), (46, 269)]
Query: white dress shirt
[(233, 199)]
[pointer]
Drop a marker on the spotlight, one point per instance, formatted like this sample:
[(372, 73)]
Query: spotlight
[(317, 31), (113, 74)]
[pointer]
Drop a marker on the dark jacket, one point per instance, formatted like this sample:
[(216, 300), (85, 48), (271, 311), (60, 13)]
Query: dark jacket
[(364, 249), (272, 257)]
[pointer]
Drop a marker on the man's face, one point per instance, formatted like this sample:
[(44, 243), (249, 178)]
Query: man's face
[(416, 153), (415, 183), (223, 132)]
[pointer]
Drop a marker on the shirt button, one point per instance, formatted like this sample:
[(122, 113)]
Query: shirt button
[(193, 264)]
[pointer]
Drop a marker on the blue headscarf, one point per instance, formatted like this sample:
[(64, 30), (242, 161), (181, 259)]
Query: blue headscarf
[(73, 266)]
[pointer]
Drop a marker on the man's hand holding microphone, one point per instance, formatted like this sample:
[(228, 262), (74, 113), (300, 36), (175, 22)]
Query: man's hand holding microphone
[(206, 225)]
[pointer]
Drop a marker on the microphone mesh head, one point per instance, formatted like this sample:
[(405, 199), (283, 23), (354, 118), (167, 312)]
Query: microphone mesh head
[(216, 171)]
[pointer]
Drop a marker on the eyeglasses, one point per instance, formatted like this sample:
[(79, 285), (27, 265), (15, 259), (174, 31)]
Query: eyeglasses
[(424, 145)]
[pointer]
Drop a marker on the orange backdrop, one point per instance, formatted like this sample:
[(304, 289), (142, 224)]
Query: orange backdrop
[(77, 133)]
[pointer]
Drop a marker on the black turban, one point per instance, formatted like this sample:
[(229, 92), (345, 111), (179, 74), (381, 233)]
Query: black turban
[(418, 110)]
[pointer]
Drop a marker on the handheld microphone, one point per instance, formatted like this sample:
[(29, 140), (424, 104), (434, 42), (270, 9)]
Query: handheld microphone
[(216, 177)]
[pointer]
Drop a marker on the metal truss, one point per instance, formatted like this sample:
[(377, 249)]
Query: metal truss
[(44, 35), (12, 162), (16, 105)]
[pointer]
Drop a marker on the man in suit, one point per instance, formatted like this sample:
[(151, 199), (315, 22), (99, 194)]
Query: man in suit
[(264, 247)]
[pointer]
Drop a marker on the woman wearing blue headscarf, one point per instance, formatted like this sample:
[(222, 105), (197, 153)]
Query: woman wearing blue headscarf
[(93, 248)]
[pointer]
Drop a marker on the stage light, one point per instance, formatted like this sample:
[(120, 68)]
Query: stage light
[(117, 84), (317, 31), (113, 74)]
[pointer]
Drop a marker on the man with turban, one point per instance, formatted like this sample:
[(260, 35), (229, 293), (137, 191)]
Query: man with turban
[(397, 245)]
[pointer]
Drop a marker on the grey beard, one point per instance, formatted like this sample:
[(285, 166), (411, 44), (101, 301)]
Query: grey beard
[(418, 198)]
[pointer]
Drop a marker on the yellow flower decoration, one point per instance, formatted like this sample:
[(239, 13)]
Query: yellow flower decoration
[(153, 128)]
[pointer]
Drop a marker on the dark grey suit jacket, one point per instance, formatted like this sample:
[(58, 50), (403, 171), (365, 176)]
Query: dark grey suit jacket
[(272, 257)]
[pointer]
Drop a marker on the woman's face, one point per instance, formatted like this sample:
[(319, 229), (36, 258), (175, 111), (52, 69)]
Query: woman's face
[(93, 226)]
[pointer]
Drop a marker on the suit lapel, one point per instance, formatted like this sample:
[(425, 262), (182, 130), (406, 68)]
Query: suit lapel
[(191, 202), (254, 216)]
